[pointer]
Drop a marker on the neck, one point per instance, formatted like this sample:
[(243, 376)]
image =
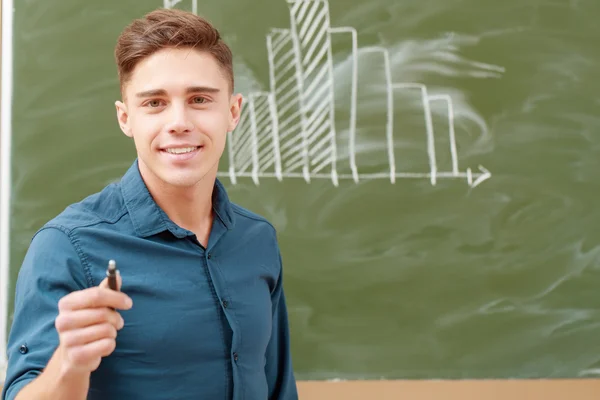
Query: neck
[(188, 207)]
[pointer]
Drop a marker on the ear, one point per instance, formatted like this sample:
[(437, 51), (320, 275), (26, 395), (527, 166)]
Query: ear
[(235, 110), (123, 118)]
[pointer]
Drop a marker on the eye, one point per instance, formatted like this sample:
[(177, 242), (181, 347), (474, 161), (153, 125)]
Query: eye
[(154, 103), (199, 100)]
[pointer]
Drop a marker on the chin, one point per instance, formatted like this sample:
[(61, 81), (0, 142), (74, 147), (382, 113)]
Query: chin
[(176, 176), (184, 179)]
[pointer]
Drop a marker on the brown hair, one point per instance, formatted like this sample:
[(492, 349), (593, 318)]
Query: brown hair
[(169, 28)]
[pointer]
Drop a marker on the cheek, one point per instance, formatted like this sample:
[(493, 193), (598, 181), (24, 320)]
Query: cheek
[(215, 125), (144, 128)]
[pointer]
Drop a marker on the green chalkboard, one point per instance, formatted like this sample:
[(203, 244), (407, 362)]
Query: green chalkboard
[(434, 182)]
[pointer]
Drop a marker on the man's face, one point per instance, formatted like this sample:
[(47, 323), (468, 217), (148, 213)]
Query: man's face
[(178, 109)]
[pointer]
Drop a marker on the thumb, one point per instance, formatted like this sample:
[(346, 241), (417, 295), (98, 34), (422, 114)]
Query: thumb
[(104, 283)]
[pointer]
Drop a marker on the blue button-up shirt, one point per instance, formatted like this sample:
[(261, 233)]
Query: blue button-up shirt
[(206, 323)]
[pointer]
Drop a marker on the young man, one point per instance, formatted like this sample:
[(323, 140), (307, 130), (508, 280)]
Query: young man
[(201, 311)]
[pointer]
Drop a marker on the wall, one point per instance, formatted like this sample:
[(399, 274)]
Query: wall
[(442, 389)]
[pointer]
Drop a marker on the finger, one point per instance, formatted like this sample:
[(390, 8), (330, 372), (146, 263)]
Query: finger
[(94, 297), (88, 353), (88, 334), (104, 283), (70, 320)]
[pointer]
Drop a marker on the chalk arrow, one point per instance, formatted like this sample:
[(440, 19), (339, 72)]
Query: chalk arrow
[(485, 175)]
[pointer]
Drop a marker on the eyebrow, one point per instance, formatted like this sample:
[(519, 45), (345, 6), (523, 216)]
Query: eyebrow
[(189, 90)]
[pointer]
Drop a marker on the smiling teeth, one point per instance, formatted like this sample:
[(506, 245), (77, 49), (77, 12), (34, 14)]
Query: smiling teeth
[(181, 150)]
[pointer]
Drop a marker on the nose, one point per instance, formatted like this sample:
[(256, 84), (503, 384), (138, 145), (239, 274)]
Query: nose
[(179, 120)]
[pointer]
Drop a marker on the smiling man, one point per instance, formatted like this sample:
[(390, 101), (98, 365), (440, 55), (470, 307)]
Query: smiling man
[(200, 312)]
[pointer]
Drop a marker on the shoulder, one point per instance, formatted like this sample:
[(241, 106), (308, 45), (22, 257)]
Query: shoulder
[(105, 206), (60, 247), (259, 231), (251, 220)]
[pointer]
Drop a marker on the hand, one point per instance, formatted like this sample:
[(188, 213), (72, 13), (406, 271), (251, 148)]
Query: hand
[(87, 325)]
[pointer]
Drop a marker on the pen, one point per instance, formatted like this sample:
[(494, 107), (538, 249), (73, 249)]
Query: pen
[(111, 272)]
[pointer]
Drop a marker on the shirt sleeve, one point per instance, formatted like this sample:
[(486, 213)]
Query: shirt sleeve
[(279, 369), (51, 269)]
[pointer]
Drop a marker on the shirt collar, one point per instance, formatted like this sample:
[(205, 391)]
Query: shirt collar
[(149, 219)]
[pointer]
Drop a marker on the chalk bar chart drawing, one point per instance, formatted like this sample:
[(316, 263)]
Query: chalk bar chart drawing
[(290, 131)]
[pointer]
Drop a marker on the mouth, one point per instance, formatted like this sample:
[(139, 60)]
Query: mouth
[(180, 150), (181, 153)]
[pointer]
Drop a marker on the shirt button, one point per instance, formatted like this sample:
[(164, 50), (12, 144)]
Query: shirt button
[(225, 303), (235, 357), (209, 255), (23, 349)]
